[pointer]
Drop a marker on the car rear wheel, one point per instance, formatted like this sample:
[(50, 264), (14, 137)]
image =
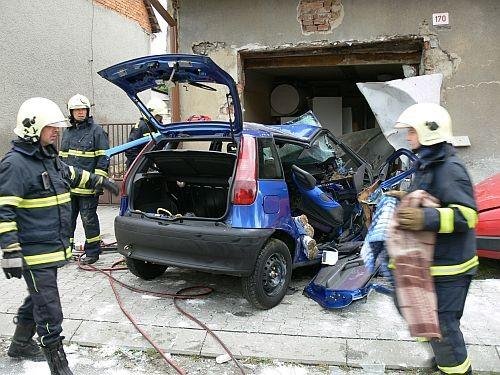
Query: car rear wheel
[(267, 285), (145, 270)]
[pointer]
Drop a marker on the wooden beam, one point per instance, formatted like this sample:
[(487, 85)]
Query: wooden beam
[(332, 60), (163, 12)]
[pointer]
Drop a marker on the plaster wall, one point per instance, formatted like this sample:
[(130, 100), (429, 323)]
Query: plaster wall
[(466, 51), (55, 48)]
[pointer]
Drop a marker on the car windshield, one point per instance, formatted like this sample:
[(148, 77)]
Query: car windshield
[(322, 149)]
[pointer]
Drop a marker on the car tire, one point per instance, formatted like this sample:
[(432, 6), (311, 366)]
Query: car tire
[(145, 270), (267, 285)]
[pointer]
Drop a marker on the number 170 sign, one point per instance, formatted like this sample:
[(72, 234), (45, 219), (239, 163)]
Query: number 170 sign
[(439, 19)]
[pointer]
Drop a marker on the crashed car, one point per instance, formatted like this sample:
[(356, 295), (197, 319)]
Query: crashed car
[(232, 197), (488, 227)]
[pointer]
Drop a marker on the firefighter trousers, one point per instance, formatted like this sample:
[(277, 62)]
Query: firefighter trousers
[(42, 305), (86, 206), (450, 352)]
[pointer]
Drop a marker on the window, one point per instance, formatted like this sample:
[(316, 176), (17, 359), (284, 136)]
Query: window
[(269, 161)]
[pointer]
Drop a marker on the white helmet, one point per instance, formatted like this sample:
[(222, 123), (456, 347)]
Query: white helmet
[(36, 113), (431, 122), (78, 101), (157, 107)]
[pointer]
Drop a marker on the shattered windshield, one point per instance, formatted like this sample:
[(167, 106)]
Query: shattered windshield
[(321, 149)]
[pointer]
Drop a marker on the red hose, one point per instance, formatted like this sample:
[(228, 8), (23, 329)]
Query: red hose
[(180, 294)]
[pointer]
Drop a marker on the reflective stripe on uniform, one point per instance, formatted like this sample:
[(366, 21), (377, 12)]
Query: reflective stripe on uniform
[(8, 226), (10, 200), (455, 269), (94, 239), (468, 213), (101, 172), (446, 220), (83, 191), (446, 270), (460, 369), (84, 179), (82, 154), (45, 202), (73, 173), (69, 252), (56, 256)]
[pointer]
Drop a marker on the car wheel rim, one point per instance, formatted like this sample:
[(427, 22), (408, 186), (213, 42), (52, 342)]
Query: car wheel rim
[(274, 274)]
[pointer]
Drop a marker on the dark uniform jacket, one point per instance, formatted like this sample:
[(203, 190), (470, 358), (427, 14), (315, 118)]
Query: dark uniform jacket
[(442, 174), (83, 146), (35, 203), (138, 131)]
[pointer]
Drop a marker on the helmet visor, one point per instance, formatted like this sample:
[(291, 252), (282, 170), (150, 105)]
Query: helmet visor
[(60, 124), (400, 125)]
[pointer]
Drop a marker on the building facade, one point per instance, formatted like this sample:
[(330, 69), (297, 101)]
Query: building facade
[(54, 49), (313, 52)]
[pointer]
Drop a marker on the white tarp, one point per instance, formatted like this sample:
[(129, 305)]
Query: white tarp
[(389, 99)]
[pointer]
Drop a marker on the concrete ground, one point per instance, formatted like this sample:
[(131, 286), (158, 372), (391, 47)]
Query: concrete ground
[(366, 337)]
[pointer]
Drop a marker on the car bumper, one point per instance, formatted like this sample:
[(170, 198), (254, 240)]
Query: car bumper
[(488, 247), (205, 246)]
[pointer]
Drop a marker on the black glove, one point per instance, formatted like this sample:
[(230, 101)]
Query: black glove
[(110, 186), (12, 264)]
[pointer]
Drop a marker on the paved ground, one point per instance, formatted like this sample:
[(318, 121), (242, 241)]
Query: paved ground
[(367, 335)]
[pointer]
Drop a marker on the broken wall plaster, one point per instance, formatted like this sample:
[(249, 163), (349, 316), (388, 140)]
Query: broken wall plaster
[(205, 48), (319, 16), (435, 59)]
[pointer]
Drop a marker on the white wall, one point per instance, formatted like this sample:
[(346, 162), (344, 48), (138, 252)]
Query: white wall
[(54, 48)]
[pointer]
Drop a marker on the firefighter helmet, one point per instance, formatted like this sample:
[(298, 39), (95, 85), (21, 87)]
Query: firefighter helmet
[(78, 101), (431, 122), (36, 113)]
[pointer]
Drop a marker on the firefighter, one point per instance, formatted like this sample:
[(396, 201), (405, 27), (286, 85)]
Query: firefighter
[(159, 110), (442, 174), (83, 145), (35, 227)]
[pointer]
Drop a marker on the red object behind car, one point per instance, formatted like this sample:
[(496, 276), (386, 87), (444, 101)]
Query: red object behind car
[(488, 229)]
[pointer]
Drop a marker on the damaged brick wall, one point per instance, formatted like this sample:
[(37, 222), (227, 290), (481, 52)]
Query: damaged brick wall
[(134, 9), (319, 16)]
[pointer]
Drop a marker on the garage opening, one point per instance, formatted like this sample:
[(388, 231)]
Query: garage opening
[(282, 84)]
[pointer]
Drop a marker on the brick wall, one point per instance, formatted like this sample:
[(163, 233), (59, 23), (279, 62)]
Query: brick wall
[(134, 9), (319, 16)]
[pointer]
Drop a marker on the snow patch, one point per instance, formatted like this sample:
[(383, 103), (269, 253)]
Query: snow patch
[(283, 370)]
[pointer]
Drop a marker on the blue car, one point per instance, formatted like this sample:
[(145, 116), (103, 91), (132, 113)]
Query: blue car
[(231, 197)]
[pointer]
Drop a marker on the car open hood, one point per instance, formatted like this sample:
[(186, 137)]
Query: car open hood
[(148, 72), (488, 193)]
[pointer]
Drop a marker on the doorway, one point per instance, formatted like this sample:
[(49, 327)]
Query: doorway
[(281, 84)]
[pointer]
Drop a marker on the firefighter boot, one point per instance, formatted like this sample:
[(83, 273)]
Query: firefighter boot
[(23, 345), (56, 358)]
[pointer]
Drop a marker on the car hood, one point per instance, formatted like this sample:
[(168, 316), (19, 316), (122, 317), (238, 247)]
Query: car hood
[(488, 193), (137, 75)]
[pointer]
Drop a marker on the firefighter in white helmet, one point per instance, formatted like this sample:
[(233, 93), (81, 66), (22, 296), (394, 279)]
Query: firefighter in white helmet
[(159, 110), (442, 174), (83, 145), (35, 214)]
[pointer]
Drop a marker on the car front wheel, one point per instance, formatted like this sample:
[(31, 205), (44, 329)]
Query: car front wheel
[(267, 285), (145, 270)]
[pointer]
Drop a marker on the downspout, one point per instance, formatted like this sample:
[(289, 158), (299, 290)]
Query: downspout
[(172, 32)]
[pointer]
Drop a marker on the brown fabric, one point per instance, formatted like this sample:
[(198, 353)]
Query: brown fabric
[(412, 253), (363, 199)]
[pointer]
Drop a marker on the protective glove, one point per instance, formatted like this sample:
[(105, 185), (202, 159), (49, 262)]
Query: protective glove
[(12, 264), (108, 184), (410, 218), (399, 194)]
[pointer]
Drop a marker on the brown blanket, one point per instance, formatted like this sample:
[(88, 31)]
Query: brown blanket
[(412, 253)]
